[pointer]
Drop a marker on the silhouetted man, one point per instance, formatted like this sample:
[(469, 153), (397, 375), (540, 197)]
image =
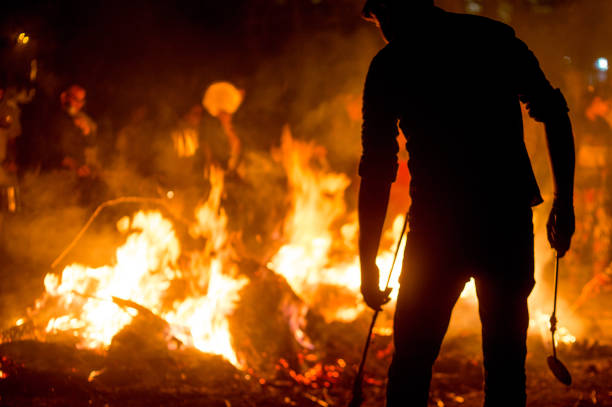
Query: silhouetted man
[(453, 82)]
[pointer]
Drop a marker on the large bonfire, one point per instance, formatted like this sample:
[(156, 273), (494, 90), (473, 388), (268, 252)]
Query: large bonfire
[(193, 293)]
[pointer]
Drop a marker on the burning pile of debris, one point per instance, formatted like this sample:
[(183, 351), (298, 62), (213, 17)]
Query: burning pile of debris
[(184, 315)]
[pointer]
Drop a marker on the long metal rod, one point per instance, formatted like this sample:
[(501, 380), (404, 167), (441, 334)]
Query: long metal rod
[(553, 317), (397, 249), (556, 282), (359, 378)]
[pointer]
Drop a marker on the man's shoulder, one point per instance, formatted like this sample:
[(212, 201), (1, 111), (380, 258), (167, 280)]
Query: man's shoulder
[(479, 25), (384, 53), (383, 59)]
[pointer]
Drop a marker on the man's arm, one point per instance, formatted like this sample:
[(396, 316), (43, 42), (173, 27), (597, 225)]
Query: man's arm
[(561, 222), (547, 105), (560, 140), (378, 168), (373, 201)]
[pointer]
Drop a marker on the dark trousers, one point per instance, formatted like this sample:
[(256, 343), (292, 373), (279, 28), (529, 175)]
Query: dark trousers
[(434, 274)]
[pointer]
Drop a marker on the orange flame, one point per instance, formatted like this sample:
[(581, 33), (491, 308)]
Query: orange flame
[(143, 272), (320, 252)]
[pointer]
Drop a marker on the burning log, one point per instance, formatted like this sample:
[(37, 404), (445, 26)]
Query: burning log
[(140, 357), (268, 320)]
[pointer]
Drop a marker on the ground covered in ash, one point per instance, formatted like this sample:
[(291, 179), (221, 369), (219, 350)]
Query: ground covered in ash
[(142, 367), (140, 370)]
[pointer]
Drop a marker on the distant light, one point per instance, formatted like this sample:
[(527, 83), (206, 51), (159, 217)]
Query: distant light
[(473, 7), (23, 39), (602, 64), (170, 194)]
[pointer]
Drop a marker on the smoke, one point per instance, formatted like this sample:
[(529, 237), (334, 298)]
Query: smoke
[(49, 218), (309, 77)]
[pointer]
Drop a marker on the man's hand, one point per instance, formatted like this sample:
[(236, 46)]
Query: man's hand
[(561, 226), (372, 295)]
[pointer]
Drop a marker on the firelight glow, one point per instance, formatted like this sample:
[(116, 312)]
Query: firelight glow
[(146, 266), (320, 253)]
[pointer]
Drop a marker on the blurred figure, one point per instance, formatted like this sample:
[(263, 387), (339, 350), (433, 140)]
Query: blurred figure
[(77, 133), (186, 139), (593, 188), (203, 136), (601, 283), (133, 158), (593, 150), (133, 143), (222, 100), (185, 155), (72, 145), (10, 129), (182, 155), (11, 98)]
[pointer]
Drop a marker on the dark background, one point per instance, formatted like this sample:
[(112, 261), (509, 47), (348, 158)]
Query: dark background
[(288, 55)]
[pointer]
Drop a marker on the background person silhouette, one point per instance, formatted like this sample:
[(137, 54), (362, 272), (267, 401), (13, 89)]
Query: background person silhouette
[(453, 82)]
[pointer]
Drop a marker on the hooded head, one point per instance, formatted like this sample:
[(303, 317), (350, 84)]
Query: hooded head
[(394, 16)]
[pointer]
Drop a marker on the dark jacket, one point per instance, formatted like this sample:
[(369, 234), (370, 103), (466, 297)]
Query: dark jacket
[(454, 85)]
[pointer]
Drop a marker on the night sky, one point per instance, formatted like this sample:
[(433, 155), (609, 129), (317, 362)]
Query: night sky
[(289, 55)]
